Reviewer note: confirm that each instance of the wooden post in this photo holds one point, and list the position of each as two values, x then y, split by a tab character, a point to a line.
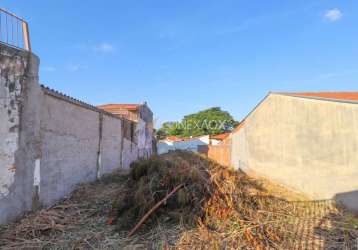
26	36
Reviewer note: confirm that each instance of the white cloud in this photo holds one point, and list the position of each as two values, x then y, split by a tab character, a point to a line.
341	74
75	67
104	48
333	15
48	68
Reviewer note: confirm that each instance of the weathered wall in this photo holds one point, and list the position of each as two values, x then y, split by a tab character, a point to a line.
111	145
130	153
145	131
12	70
70	141
307	144
50	142
20	102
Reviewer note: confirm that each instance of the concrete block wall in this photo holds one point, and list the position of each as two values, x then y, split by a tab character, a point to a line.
50	142
307	144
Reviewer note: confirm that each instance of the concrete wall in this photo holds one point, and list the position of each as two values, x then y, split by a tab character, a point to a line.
307	144
70	141
111	145
50	142
130	151
12	70
145	131
221	153
20	103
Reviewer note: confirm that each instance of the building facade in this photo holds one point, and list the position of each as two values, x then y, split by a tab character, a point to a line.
305	141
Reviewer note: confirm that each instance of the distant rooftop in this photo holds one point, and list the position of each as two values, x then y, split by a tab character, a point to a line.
113	107
128	111
220	136
174	138
349	96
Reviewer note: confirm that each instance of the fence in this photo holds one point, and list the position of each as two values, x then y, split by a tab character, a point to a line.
14	31
220	153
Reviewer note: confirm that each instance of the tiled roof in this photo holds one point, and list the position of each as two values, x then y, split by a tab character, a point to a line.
219	136
174	138
131	107
349	96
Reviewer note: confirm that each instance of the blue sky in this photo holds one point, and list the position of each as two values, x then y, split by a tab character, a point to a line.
184	56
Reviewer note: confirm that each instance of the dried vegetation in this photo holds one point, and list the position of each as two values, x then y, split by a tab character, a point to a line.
209	207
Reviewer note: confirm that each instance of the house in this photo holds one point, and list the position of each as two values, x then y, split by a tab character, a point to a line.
177	143
306	141
195	144
128	111
138	127
217	139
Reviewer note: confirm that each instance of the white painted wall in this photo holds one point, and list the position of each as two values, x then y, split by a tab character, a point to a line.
165	146
215	142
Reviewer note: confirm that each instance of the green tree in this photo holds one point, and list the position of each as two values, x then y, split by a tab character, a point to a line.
205	122
160	134
168	128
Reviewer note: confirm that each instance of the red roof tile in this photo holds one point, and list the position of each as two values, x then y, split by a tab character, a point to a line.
174	138
131	107
219	136
351	96
238	127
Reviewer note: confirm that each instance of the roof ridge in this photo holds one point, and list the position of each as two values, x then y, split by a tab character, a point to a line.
120	104
344	97
315	92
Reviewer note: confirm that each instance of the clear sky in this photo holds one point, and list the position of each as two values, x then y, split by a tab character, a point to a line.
184	56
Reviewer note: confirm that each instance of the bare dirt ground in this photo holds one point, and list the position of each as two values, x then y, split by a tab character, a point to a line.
81	222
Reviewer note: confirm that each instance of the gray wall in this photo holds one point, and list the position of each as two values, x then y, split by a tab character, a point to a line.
12	70
70	139
20	102
307	144
144	132
50	142
111	145
79	144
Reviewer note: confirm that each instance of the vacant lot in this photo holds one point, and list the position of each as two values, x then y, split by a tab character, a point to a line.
216	208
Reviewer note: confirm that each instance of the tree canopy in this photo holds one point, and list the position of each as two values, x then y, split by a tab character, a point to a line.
205	122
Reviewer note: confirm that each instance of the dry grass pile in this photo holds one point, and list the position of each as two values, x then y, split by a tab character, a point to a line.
231	209
77	222
214	208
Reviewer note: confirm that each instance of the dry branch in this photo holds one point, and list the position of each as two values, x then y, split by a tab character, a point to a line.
145	217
